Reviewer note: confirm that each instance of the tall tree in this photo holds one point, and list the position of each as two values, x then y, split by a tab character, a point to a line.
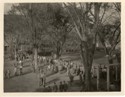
12	31
109	34
59	27
87	29
35	17
88	19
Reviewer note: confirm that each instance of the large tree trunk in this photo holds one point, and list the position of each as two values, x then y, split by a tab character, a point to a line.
87	57
87	79
58	53
35	58
58	50
111	70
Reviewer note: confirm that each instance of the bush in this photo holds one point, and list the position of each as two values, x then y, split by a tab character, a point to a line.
44	53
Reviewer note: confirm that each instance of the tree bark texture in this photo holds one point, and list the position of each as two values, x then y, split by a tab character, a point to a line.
87	57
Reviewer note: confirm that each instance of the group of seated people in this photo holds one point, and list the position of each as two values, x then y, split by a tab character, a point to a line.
61	87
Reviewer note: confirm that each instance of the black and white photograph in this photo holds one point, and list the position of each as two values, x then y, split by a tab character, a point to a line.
62	47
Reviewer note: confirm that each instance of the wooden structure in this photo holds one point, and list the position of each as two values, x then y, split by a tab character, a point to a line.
98	67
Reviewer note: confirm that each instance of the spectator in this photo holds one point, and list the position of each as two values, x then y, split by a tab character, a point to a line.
72	70
81	77
75	69
61	87
78	70
44	89
55	69
66	63
20	67
71	64
68	69
8	73
41	77
49	67
44	79
55	87
71	77
33	66
15	70
49	89
65	86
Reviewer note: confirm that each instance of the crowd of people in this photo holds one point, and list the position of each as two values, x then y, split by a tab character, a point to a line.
72	70
17	70
61	87
53	65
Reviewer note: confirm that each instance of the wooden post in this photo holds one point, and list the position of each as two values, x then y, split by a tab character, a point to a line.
116	75
35	58
108	77
98	77
15	53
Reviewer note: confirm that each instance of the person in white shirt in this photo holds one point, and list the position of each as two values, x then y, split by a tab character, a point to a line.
15	70
20	67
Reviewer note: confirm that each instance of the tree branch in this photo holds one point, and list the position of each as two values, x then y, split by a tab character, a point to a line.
78	32
77	17
103	14
115	30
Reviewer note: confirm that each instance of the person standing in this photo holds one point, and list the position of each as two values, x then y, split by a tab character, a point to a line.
61	87
33	66
71	64
49	67
65	86
21	67
81	76
44	79
78	70
55	69
55	87
49	89
40	77
68	69
71	77
15	69
8	73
